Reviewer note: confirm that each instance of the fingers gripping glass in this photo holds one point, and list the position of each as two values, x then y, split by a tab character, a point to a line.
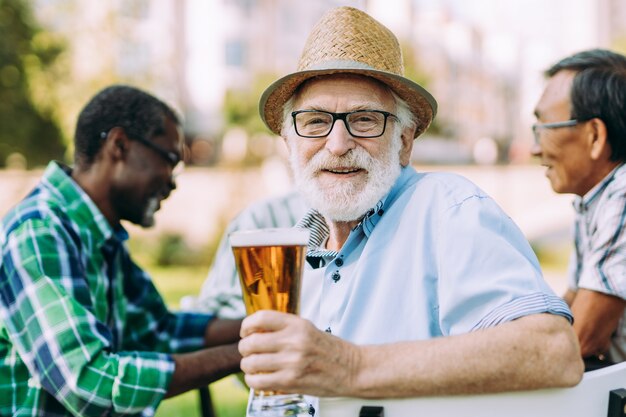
537	127
359	123
175	160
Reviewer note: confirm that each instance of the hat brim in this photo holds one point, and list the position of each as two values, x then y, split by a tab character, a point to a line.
421	102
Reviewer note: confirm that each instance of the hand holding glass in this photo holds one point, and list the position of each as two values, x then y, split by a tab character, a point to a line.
270	264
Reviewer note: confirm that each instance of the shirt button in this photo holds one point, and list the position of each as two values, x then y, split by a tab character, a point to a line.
336	277
339	262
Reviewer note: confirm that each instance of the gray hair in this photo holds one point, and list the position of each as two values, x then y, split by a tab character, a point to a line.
599	90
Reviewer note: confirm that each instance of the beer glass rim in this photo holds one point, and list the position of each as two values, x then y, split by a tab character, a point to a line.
274	236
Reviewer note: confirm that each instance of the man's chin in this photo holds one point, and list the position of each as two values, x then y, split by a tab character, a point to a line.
147	219
147	222
340	208
342	217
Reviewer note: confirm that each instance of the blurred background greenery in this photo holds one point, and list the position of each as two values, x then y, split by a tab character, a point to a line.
229	396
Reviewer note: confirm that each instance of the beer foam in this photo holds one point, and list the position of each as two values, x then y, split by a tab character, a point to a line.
270	237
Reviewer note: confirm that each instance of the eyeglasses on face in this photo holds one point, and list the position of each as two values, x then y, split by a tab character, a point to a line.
175	160
538	127
359	123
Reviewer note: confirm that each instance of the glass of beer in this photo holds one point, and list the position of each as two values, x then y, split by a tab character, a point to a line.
270	264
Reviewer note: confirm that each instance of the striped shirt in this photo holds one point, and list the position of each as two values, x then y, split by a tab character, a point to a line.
83	331
221	292
598	262
436	257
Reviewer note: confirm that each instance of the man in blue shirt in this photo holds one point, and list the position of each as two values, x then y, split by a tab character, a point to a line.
580	139
415	284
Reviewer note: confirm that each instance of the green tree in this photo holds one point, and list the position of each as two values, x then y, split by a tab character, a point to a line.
28	123
414	72
619	44
241	106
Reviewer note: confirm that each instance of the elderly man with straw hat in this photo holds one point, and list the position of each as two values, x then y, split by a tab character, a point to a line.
416	283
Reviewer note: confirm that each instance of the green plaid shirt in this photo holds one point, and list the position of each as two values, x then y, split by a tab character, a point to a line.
83	331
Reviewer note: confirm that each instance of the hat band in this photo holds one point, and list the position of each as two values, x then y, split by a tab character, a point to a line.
339	64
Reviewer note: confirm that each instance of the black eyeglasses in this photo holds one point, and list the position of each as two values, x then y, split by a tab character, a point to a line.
359	123
556	125
171	157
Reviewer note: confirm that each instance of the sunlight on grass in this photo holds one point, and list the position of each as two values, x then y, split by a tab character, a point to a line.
229	399
229	395
175	282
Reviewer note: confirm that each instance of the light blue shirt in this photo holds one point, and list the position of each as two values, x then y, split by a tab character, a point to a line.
435	257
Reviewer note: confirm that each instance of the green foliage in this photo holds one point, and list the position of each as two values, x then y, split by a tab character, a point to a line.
241	106
169	250
172	250
552	254
28	124
228	394
414	72
619	45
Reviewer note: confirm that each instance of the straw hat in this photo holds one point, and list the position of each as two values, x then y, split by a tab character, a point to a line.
347	40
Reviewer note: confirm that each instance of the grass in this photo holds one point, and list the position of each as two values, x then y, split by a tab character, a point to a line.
229	395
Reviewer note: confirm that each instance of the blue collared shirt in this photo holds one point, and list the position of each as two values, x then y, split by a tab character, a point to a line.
435	257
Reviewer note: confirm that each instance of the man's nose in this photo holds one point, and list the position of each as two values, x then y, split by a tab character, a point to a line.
339	141
535	149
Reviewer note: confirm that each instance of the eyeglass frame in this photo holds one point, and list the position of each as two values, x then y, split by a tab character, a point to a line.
343	117
557	125
170	157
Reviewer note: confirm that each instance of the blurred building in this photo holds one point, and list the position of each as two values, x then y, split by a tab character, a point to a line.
190	52
484	59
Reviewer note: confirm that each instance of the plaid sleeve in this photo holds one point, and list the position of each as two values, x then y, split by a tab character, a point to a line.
46	309
604	269
150	324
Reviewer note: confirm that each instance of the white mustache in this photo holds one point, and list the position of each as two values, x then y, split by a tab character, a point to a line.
356	158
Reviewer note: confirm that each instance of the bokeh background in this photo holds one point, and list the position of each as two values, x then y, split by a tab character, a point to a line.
482	59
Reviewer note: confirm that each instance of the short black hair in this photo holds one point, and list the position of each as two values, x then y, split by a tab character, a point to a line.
139	113
599	90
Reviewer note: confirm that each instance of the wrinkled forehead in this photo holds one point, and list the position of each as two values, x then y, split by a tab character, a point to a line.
555	99
351	89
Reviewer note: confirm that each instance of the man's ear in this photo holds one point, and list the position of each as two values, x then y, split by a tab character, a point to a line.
408	138
116	145
596	132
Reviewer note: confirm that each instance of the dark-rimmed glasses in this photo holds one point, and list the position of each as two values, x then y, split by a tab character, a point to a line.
556	125
359	123
175	160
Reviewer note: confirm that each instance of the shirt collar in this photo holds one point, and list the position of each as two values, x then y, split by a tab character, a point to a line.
77	204
319	230
582	204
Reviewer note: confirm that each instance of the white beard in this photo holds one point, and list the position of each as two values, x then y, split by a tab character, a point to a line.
346	200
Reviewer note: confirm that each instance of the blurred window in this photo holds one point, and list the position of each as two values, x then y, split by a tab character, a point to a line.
235	53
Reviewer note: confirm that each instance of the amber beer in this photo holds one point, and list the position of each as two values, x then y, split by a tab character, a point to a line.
270	264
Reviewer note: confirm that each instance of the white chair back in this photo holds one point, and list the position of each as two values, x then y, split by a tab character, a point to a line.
590	398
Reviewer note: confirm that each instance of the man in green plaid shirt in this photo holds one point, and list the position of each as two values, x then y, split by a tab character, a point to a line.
83	331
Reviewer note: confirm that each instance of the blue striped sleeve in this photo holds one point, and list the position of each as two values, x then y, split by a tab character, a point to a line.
536	303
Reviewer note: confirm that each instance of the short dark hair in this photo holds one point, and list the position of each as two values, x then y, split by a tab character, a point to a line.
599	90
140	114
